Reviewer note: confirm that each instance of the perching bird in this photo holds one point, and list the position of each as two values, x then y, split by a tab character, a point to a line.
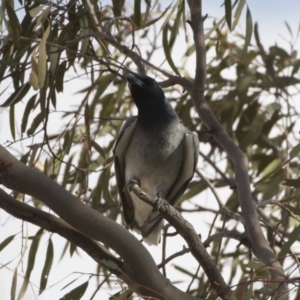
156	149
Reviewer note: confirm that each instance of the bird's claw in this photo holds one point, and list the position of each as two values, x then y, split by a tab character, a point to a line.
158	204
131	182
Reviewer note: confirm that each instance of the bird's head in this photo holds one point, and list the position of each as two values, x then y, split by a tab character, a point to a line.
145	91
153	108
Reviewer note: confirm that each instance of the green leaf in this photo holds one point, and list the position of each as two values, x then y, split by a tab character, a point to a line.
175	28
137	13
59	80
167	50
288	28
12	121
273	166
295	151
296	67
17	95
99	149
53	54
105	176
13	288
35	123
285	81
68	141
156	19
256	265
6	242
77	293
47	266
72	249
117	7
258	42
228	13
249	30
14	23
31	261
104	82
238	12
293	237
28	108
291	182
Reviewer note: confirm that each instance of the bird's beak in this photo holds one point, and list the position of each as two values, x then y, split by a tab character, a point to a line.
134	80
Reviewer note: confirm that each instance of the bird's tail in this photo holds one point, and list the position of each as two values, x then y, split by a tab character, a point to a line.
151	229
154	237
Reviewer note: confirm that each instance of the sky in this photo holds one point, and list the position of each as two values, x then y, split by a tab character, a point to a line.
270	15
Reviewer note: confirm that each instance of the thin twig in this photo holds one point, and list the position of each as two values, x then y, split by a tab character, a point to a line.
171	257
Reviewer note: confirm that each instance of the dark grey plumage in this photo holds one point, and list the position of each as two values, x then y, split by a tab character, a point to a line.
157	149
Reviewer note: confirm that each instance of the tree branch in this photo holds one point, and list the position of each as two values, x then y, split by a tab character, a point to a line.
143	275
259	245
54	224
187	231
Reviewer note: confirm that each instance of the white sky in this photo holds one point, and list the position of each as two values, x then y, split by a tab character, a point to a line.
270	15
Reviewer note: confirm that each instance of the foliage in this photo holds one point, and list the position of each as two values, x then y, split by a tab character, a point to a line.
49	48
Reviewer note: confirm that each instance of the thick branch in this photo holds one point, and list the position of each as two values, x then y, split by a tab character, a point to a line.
52	223
142	272
187	231
259	245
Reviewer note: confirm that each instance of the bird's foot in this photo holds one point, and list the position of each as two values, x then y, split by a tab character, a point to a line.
131	182
158	204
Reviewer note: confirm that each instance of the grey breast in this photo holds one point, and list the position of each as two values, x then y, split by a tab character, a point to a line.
155	157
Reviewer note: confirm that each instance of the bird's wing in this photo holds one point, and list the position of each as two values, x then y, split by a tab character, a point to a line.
119	153
189	164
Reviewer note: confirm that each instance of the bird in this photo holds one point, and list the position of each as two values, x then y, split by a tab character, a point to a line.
155	149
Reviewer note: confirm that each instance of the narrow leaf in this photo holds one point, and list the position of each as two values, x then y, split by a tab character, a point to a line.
156	19
249	30
291	182
13	288
238	12
47	266
12	121
167	49
293	237
288	28
68	141
77	293
99	149
28	108
137	13
17	95
35	123
104	82
42	62
31	261
14	24
117	7
228	13
296	67
33	78
6	242
295	151
59	82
